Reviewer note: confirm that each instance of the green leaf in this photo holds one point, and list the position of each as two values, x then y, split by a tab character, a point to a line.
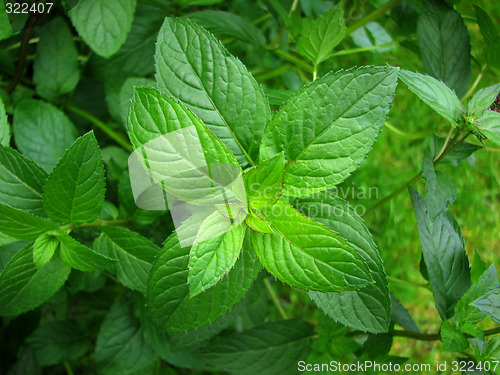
211	260
192	3
42	132
74	192
127	92
465	312
486	25
22	225
444	255
188	58
133	253
103	25
489	125
435	94
5	28
25	287
225	24
477	268
322	36
463	151
453	339
482	100
181	153
370	35
489	304
121	347
441	190
81	257
264	183
400	315
44	248
27	363
369	308
271	348
21	182
445	47
168	299
55	68
56	342
324	131
4	126
306	254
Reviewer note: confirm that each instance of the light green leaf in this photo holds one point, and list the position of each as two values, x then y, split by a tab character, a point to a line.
211	260
4	126
264	183
103	25
188	58
486	25
477	268
489	304
435	94
44	248
56	342
22	225
441	190
21	182
81	257
168	299
268	349
74	192
42	132
489	125
444	44
369	308
180	152
306	254
465	312
482	100
25	287
370	35
133	253
226	24
444	255
453	340
324	130
55	68
321	37
121	347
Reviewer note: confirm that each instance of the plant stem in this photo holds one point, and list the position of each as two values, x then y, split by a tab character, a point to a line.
396	280
404	135
374	15
293	59
272	73
117	137
68	368
474	85
97	223
362	49
274	298
436	336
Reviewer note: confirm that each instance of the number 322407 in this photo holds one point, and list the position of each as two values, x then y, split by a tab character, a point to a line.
28	8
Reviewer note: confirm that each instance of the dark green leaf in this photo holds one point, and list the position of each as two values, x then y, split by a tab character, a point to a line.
168	292
42	132
401	316
321	37
74	192
21	182
369	308
444	42
56	342
121	347
486	25
25	287
444	255
268	349
56	69
441	190
477	268
435	94
5	28
103	25
4	126
323	131
463	151
225	24
27	363
81	257
22	225
453	339
133	253
188	58
306	254
489	304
